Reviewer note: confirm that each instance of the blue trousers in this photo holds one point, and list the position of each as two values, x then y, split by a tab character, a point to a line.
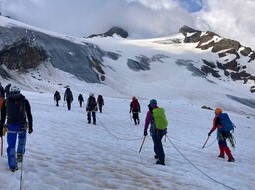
15	131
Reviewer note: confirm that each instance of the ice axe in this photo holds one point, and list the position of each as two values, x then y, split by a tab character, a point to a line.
142	144
206	141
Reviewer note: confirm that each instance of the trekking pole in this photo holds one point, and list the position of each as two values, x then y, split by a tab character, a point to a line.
142	144
21	170
1	146
206	141
21	174
130	116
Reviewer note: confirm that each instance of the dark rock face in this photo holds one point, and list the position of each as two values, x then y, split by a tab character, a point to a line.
224	47
24	49
142	62
21	56
114	30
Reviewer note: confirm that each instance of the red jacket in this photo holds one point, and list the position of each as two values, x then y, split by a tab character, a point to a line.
216	123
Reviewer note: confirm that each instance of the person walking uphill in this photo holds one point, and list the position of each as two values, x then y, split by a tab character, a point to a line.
223	124
7	90
17	110
57	97
80	99
68	97
156	118
91	108
100	102
2	95
135	109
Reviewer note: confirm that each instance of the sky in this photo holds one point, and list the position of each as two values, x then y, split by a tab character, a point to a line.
141	18
66	153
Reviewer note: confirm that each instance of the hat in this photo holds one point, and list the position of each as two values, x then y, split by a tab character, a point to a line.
152	102
91	94
218	111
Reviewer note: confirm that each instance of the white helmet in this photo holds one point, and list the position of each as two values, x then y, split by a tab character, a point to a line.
14	90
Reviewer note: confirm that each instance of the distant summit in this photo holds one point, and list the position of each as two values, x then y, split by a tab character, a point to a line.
114	30
231	54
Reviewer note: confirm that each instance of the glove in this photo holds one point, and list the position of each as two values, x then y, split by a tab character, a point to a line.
209	134
30	130
145	133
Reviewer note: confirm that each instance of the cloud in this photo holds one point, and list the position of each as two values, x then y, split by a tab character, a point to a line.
141	18
232	19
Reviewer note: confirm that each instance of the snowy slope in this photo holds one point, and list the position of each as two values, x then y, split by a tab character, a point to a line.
66	153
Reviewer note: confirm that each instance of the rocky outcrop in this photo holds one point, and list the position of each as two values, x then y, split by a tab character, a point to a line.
223	48
114	30
22	56
22	49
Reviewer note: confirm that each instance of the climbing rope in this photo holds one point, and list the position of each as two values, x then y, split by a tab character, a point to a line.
117	137
197	167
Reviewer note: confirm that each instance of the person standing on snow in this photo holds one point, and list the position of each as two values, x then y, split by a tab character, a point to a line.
68	97
17	110
2	95
100	102
7	90
135	109
221	136
91	108
156	134
57	97
80	99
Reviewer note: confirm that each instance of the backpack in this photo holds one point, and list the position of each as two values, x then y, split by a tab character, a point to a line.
160	119
69	95
57	96
226	123
135	105
100	99
80	98
92	104
15	109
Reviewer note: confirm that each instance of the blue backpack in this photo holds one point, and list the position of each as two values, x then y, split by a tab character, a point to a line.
226	123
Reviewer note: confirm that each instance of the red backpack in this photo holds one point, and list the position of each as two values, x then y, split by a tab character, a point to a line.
135	105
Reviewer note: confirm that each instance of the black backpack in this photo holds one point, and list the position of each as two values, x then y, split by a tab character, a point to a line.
69	95
16	110
92	104
57	96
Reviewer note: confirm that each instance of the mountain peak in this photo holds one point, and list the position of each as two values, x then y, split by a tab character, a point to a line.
114	30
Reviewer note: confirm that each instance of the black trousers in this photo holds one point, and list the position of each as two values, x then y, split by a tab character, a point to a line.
93	117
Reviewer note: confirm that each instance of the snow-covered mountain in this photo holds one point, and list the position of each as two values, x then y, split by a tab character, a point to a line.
180	64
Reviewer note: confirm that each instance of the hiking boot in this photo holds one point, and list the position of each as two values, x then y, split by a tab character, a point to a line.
231	160
14	169
19	157
159	162
89	122
221	156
